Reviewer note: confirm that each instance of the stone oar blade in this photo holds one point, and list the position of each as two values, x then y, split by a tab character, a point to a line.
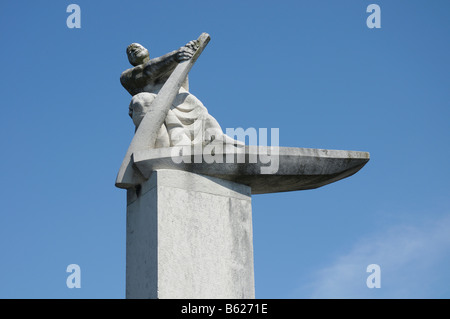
148	129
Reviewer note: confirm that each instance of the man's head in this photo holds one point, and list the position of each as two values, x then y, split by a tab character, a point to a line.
137	54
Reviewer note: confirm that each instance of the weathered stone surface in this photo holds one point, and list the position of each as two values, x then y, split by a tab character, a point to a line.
189	223
151	76
189	236
296	168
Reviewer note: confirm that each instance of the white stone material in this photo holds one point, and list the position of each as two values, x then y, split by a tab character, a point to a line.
147	132
189	216
189	236
294	168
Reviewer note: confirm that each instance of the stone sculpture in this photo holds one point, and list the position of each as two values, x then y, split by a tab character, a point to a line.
187	121
189	222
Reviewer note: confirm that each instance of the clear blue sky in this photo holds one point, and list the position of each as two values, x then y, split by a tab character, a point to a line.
310	68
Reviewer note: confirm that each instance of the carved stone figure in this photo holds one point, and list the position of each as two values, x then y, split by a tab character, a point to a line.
188	121
189	216
166	116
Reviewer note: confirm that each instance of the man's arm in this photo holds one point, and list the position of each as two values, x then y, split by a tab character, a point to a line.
155	69
159	67
130	77
138	77
164	65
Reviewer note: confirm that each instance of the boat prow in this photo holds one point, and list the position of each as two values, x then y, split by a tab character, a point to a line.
264	169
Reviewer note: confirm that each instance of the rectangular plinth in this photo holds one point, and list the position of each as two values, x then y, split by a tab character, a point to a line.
189	236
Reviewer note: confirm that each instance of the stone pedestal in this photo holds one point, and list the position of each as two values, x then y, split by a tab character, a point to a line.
189	236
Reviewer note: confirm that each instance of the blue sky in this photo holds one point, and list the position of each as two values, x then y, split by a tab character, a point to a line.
313	69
